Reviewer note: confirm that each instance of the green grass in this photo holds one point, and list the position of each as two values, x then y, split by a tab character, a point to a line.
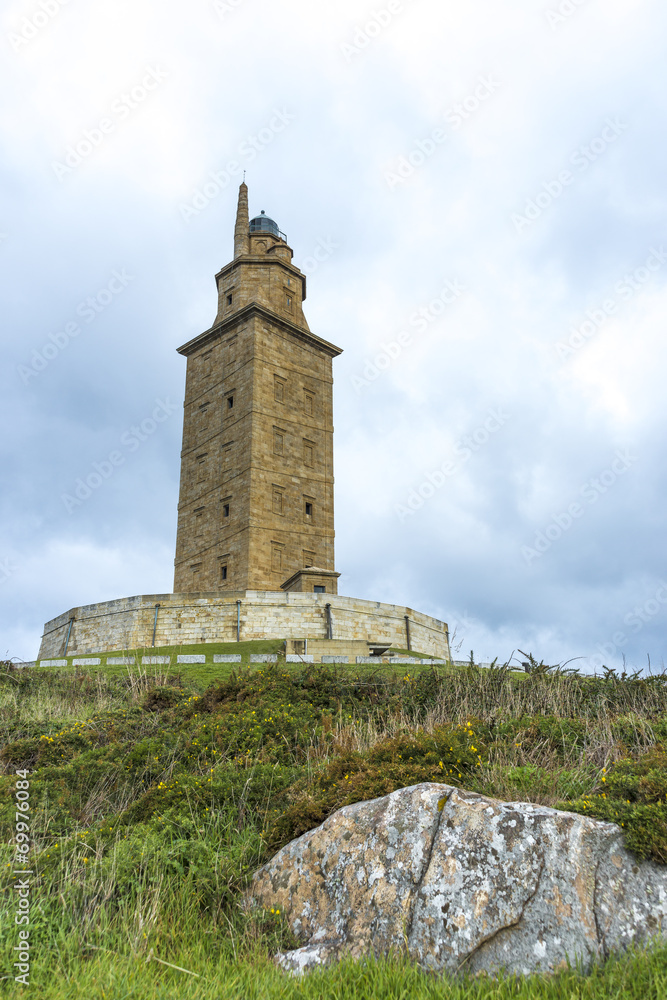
156	795
220	975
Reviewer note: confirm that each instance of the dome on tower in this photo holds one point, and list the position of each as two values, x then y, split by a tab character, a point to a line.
263	224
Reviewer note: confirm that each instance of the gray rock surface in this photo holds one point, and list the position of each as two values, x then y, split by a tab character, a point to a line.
462	882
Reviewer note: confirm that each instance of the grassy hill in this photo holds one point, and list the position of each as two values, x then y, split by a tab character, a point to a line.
155	795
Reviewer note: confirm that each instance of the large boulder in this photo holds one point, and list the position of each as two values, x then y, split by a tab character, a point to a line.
462	882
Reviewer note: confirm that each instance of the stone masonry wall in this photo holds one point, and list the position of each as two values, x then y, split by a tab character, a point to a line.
256	495
184	619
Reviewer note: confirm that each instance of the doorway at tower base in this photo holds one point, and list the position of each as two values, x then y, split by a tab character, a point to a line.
223	617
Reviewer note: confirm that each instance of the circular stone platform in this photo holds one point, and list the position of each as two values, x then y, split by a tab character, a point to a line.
182	619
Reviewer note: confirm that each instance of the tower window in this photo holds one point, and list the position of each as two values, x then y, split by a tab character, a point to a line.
225	509
224	562
308	451
289	301
277	501
319	589
276	557
230	402
308	403
289	282
309	509
278	441
229	299
308	558
278	389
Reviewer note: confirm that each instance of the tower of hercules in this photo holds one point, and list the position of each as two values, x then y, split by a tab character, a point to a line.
256	495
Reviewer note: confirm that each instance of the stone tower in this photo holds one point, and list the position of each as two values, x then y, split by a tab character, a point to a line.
256	495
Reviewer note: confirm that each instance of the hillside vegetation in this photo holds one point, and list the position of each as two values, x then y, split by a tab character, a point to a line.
154	797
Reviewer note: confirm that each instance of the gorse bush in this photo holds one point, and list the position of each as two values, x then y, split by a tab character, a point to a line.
153	802
446	755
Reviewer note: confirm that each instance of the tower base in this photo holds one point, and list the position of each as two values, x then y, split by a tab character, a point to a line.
183	619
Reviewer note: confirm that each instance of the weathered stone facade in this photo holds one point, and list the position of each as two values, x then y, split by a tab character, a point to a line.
183	619
256	497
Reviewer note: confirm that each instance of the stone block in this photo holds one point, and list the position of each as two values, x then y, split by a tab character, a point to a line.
227	658
153	660
295	658
53	663
121	661
192	658
335	659
263	658
93	661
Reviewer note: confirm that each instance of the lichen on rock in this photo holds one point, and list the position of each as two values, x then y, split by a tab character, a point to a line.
460	881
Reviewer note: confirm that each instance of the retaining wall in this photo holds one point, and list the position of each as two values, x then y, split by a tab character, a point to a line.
183	619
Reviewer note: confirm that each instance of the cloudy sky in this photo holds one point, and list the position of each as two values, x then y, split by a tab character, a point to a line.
477	193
